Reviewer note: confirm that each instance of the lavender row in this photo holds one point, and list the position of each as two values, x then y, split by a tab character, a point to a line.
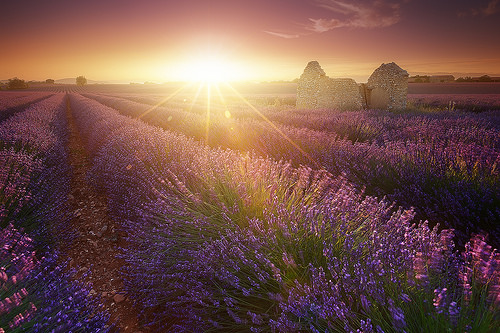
36	292
12	99
468	102
223	241
34	169
444	166
11	102
183	101
176	119
38	295
380	126
358	126
454	184
377	126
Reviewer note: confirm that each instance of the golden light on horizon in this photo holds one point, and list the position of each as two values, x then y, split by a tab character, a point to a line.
209	67
214	41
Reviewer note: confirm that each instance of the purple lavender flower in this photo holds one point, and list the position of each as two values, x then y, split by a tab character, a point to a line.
39	294
440	299
223	239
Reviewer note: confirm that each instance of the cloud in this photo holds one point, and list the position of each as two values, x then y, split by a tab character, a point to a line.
352	14
489	10
324	25
357	14
283	35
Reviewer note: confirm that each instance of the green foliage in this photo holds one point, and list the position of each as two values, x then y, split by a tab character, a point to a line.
485	78
465	79
421	78
50	81
16	83
81	81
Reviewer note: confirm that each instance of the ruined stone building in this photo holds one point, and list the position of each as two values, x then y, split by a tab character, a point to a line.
386	89
315	90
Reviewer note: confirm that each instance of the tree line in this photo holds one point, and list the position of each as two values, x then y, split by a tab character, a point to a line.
17	83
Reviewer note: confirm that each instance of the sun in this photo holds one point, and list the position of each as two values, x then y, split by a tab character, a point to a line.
209	67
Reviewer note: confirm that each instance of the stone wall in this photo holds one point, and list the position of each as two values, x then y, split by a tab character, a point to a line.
345	94
386	89
315	90
311	84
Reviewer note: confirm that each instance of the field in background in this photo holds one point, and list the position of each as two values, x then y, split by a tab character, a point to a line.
463	94
278	88
237	212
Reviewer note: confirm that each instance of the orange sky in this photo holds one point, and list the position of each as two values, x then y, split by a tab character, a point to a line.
159	41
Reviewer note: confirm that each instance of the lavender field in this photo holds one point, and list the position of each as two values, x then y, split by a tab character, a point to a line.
238	212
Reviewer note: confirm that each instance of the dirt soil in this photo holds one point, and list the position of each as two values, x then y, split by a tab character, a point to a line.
98	242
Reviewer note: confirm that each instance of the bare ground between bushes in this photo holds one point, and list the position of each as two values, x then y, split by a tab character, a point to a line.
98	240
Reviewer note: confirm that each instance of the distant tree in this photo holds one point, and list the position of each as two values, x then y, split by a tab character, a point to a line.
464	79
485	78
421	78
81	81
50	81
16	83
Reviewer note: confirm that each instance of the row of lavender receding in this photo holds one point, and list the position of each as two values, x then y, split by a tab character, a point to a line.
432	105
472	102
444	165
225	241
380	126
37	292
12	102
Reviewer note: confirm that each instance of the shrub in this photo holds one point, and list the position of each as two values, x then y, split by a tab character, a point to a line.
81	81
39	295
224	241
16	83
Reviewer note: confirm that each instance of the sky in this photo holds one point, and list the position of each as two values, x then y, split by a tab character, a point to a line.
159	41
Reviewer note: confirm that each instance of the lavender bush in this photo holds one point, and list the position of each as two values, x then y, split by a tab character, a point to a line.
13	102
444	165
38	295
454	102
224	241
380	126
34	173
37	292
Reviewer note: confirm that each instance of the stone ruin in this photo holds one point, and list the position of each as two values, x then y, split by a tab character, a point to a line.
386	89
315	90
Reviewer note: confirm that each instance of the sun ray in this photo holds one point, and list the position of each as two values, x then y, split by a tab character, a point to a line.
197	94
280	132
208	113
227	114
166	99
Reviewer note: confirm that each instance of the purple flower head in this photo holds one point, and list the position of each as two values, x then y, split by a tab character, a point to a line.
398	317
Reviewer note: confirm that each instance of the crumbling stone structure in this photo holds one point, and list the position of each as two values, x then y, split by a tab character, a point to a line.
316	90
386	89
312	83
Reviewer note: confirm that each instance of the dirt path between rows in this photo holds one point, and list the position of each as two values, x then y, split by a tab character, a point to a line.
98	242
